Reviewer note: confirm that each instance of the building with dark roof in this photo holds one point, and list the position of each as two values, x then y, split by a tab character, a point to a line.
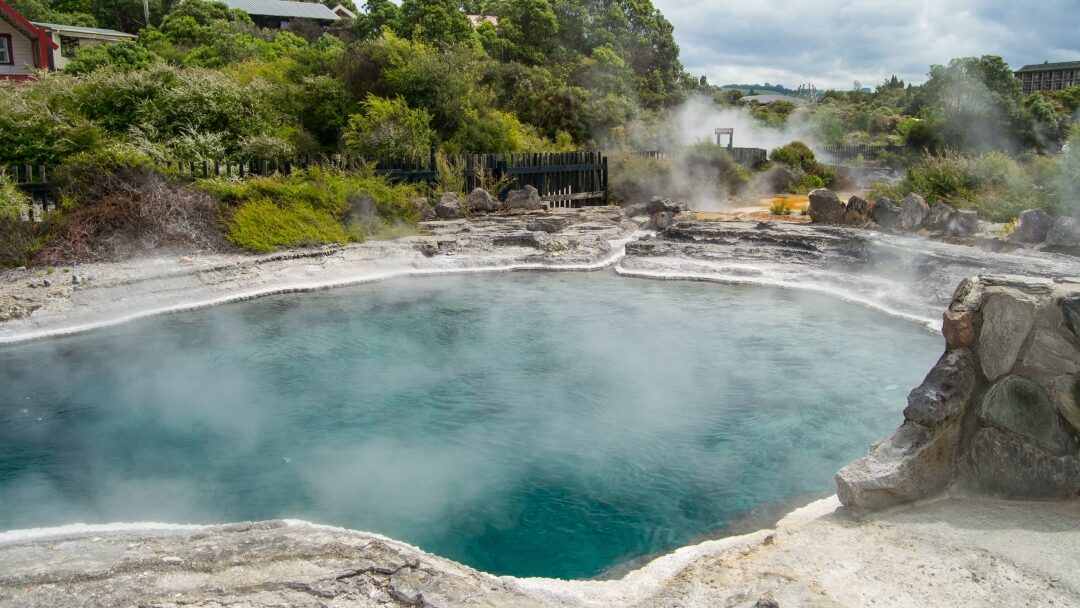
1049	76
277	14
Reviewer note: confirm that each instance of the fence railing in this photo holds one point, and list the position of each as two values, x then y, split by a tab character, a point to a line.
840	154
750	157
564	179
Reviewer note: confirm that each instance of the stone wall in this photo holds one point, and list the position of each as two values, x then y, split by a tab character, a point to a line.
999	413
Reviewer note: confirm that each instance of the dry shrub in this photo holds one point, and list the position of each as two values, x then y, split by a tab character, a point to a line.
132	213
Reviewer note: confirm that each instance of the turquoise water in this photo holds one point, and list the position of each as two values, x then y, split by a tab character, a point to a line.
552	424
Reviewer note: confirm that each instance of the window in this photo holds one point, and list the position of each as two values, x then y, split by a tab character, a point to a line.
6	56
68	46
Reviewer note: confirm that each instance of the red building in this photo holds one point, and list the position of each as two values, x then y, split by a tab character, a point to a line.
24	47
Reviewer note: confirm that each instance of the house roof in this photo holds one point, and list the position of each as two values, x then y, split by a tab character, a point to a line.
343	12
88	31
9	14
284	8
1040	67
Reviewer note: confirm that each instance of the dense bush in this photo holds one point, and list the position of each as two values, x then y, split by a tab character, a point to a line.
808	173
994	184
389	128
633	178
311	206
13	202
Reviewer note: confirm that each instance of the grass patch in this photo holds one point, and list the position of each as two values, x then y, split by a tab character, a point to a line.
261	225
313	206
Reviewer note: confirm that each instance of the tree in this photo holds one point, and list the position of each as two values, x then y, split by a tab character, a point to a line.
437	22
975	103
377	15
388	127
530	27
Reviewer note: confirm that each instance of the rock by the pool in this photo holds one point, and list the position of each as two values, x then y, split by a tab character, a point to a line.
1007	319
938	218
660	204
963	223
1000	412
826	207
857	212
1064	236
886	214
424	210
1032	227
479	201
526	199
913	212
448	207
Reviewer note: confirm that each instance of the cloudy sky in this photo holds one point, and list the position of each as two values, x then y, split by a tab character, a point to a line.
832	43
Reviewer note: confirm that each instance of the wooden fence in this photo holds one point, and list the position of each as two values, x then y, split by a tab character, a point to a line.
564	179
842	154
750	157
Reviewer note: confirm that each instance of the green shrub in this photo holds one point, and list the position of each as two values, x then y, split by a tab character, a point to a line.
262	225
796	155
388	127
13	201
122	56
712	167
309	202
633	178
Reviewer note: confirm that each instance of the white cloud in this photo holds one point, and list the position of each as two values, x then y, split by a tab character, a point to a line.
832	43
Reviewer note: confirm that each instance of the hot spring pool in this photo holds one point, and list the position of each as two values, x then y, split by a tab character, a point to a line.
552	424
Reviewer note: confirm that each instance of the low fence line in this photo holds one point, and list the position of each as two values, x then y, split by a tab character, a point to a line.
853	152
565	179
750	157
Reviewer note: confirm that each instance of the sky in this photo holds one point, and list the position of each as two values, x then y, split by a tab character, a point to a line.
833	43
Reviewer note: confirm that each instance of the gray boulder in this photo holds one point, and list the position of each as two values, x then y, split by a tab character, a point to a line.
945	392
963	223
913	463
449	206
1065	235
424	209
527	199
857	212
826	207
913	212
479	201
550	224
939	216
1032	226
886	214
660	204
1007	319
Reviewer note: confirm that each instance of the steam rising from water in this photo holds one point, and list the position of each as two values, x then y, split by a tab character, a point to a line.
527	424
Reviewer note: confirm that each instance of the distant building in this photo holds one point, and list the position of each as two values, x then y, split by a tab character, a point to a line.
478	20
70	38
343	12
24	47
1049	76
278	14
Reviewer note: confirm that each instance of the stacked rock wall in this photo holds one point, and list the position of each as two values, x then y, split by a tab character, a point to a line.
1000	411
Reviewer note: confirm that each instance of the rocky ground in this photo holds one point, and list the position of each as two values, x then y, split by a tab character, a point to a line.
955	551
951	553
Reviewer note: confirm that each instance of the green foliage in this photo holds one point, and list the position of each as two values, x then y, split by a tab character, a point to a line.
438	22
309	207
264	226
13	201
634	179
810	174
377	14
122	56
388	127
711	167
779	207
795	154
997	186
